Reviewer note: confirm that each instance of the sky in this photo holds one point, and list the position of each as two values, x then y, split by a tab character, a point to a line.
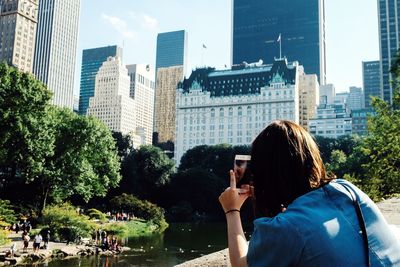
351	33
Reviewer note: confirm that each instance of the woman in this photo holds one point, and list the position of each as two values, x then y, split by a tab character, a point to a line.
306	218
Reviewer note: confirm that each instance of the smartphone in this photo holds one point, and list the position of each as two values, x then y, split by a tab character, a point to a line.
241	169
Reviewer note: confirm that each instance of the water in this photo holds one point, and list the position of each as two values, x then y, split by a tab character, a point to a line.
180	242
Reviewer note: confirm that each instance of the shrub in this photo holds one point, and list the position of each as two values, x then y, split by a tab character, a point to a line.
6	212
3	236
65	222
140	208
95	214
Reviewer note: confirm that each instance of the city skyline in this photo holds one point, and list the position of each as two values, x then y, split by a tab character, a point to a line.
349	37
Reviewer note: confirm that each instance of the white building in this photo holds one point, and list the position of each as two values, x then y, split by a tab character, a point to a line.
111	102
327	94
142	87
356	98
18	21
332	121
233	106
56	43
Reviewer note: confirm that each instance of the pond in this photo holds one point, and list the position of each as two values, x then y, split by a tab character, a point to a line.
180	242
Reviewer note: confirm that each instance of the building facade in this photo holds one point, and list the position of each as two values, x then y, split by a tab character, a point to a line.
332	121
170	70
92	59
171	49
18	21
111	102
327	94
142	87
308	98
371	81
356	98
165	102
56	43
233	106
359	119
389	40
259	26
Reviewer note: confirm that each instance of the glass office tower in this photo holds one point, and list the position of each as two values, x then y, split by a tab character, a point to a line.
389	12
92	60
259	26
371	80
171	49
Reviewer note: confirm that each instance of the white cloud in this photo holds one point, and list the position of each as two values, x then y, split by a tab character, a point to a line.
120	26
146	21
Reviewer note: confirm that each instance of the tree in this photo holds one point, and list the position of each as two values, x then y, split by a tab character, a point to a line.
198	187
124	144
382	144
24	142
84	158
145	173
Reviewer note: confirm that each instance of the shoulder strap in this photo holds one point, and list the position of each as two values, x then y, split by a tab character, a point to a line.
355	200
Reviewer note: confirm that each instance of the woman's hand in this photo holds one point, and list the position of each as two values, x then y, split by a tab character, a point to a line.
233	198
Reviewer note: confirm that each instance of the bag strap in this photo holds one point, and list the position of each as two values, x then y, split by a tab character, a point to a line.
355	200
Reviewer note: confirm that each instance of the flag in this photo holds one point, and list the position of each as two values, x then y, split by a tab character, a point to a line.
279	38
204	46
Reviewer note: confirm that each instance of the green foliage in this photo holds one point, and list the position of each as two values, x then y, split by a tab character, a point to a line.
3	236
84	159
337	160
65	223
198	187
135	228
95	214
48	151
6	212
140	208
146	171
116	228
24	138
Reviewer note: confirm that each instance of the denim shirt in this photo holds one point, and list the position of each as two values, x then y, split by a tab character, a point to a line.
321	228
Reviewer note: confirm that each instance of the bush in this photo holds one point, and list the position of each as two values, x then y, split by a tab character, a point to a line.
116	228
3	236
6	212
65	222
140	208
95	214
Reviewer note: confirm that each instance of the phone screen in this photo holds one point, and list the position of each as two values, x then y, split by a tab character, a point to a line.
242	170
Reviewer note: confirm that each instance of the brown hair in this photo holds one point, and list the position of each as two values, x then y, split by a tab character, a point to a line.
286	163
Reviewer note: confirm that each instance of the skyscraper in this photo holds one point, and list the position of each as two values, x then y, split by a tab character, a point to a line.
18	20
111	102
92	59
142	91
170	69
298	25
171	49
389	41
55	53
371	80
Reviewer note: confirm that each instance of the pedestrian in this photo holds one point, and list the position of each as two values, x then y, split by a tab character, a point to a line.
46	238
36	242
304	217
25	239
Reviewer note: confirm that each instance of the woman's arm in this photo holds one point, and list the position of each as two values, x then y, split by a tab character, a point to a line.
232	200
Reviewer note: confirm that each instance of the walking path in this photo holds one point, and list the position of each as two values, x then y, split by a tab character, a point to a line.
390	209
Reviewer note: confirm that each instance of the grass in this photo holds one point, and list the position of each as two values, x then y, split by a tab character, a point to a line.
135	228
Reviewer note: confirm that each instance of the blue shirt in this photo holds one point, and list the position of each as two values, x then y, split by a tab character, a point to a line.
321	228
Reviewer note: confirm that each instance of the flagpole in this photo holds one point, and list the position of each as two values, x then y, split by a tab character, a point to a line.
280	48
